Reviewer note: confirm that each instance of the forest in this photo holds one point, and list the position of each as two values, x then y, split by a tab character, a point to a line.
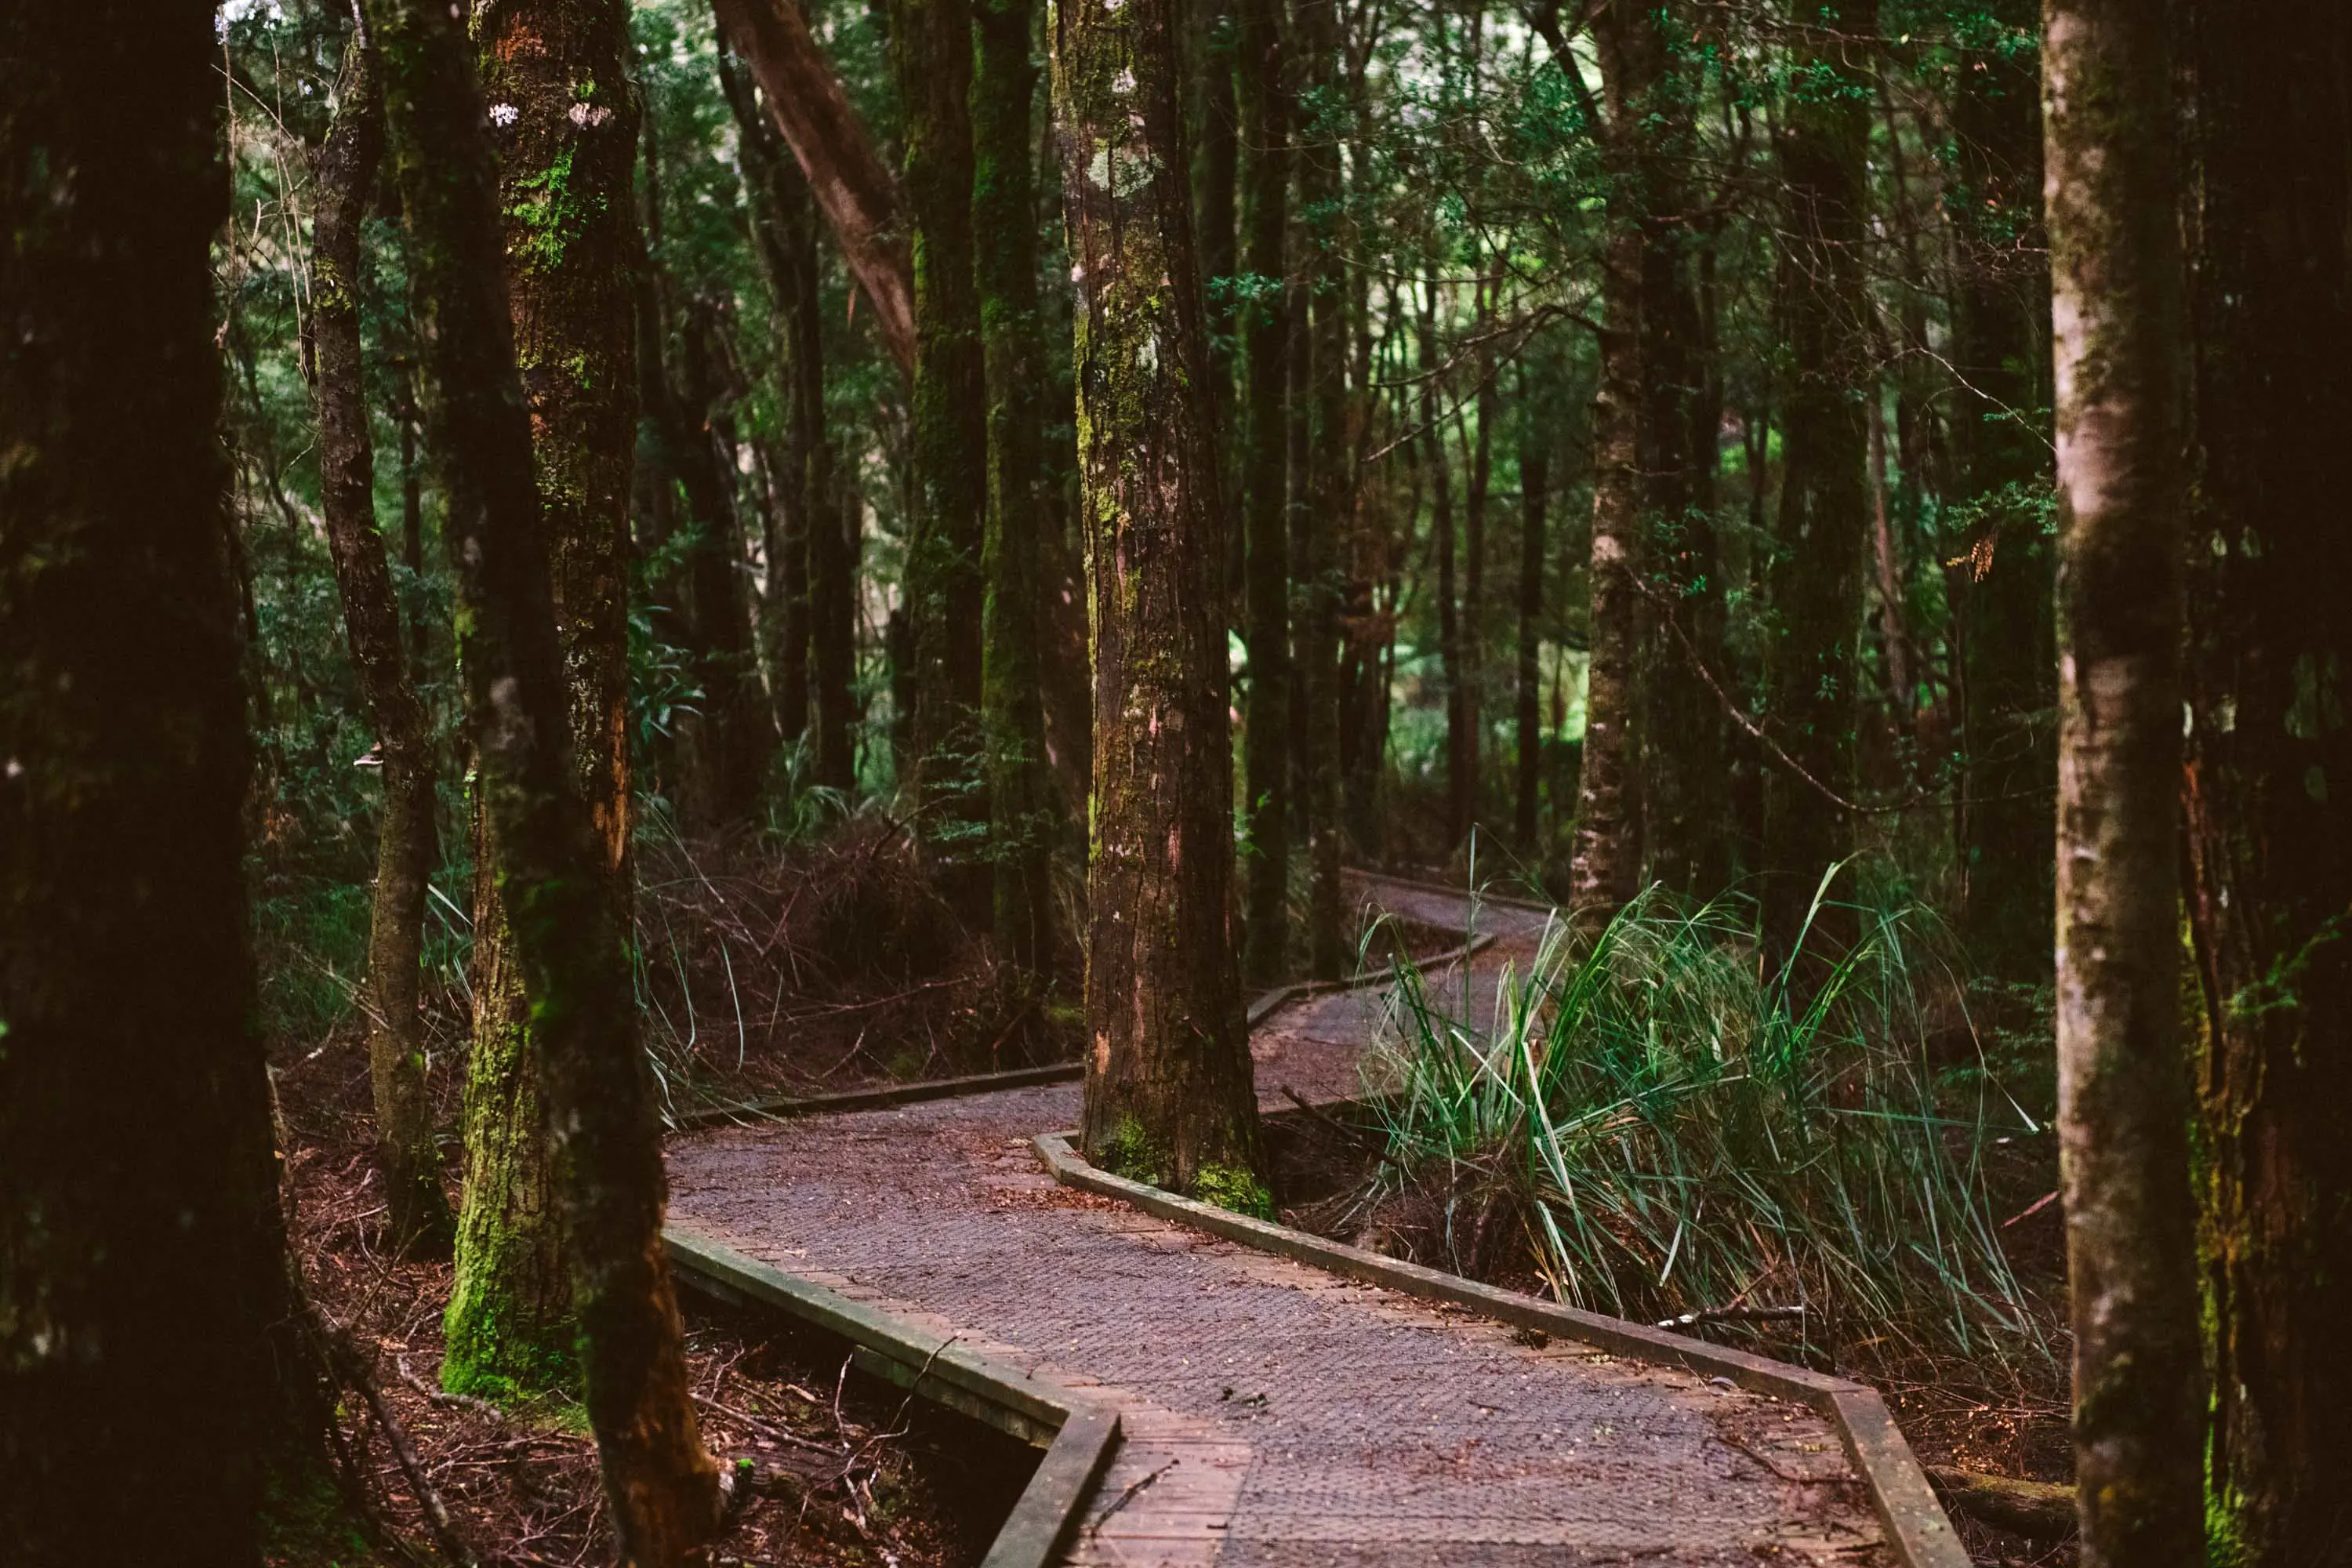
1655	662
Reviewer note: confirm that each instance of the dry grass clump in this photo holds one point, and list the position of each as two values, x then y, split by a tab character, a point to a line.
826	962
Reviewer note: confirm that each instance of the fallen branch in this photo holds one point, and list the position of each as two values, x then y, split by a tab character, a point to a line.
352	1369
2039	1510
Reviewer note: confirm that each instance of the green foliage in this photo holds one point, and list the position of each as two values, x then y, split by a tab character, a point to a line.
1694	1130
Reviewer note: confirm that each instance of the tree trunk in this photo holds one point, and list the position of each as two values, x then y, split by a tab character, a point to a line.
1814	585
1535	501
507	1325
552	857
2115	263
1470	631
1328	472
931	48
2270	766
1022	820
2000	340
141	1258
1216	179
1442	544
784	605
1685	804
1604	869
1266	139
781	217
726	739
1168	1091
345	171
853	188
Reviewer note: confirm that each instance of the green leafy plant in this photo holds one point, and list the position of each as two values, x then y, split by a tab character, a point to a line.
1689	1128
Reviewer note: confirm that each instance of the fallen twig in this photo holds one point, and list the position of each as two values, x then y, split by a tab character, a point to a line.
1129	1496
351	1368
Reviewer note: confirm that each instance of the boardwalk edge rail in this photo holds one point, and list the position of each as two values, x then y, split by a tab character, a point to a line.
1078	1435
1914	1522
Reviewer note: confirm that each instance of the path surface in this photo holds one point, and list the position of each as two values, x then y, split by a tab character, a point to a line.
1275	1414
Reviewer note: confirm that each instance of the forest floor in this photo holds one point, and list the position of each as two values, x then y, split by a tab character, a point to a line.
832	968
849	1471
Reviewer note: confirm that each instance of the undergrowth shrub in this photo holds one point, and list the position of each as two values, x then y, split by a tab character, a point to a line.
823	954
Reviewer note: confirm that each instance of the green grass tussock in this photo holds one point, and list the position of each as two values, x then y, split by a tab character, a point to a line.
1679	1126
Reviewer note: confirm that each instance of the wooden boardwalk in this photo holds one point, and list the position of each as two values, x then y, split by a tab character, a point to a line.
1274	1414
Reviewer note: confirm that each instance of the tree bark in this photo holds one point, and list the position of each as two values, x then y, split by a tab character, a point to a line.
141	1258
2000	340
1604	869
345	172
1329	500
782	218
1683	807
945	585
2270	767
1022	821
1216	180
1535	503
2122	1102
552	855
1477	472
1265	142
565	183
1167	1090
823	562
853	188
1814	584
725	741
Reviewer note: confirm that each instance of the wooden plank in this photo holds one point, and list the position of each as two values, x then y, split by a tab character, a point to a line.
1907	1506
781	1108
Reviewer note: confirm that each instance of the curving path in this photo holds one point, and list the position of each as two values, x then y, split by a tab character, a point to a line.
1274	1414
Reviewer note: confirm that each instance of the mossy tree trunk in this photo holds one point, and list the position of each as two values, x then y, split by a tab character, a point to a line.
1004	225
1167	1090
2001	339
141	1260
1265	109
2269	768
564	201
945	586
1814	584
552	857
345	170
2117	301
